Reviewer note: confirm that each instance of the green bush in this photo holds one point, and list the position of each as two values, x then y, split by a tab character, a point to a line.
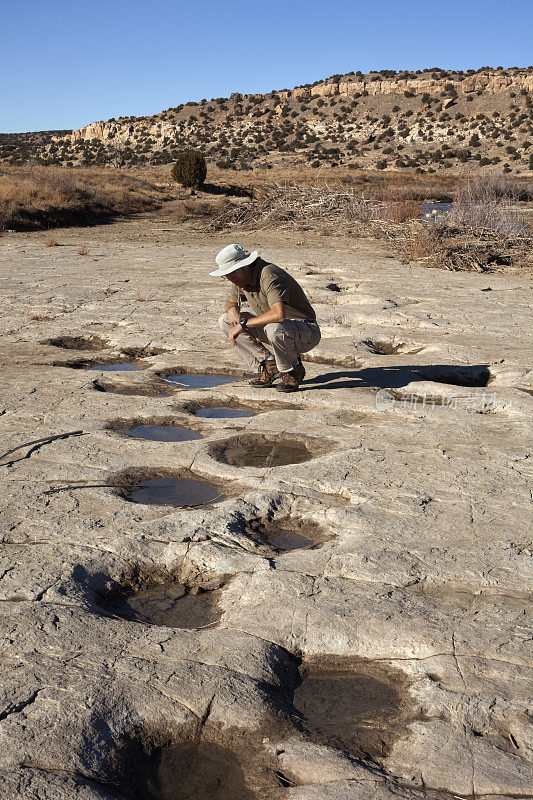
190	169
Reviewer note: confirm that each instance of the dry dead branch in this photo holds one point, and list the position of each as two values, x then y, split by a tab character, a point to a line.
304	206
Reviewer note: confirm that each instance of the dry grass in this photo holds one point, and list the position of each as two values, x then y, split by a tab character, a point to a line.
488	203
374	184
40	197
190	209
399	205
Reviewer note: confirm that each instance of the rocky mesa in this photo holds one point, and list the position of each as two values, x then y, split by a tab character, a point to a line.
433	120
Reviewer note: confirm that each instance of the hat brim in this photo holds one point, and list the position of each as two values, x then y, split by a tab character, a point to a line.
243	262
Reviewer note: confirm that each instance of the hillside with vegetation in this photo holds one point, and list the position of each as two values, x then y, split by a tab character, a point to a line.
428	121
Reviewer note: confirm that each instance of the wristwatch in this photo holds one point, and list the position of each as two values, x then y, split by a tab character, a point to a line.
242	322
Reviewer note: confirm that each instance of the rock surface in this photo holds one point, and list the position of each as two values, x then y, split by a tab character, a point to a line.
418	483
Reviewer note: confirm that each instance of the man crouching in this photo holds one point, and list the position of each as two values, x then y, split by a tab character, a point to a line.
284	324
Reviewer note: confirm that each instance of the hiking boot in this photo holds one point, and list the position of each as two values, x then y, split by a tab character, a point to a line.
266	374
290	381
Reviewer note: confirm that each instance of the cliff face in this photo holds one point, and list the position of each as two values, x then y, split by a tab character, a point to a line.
486	82
105	131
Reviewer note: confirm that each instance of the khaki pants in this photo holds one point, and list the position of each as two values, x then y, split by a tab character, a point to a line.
285	340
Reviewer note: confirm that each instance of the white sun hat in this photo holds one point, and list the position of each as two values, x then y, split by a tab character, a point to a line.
233	257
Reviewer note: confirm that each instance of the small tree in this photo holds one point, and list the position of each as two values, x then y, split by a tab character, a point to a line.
190	169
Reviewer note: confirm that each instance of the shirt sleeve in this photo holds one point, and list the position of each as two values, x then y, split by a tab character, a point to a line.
234	294
275	288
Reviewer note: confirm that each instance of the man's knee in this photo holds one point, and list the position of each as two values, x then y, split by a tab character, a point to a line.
275	332
223	322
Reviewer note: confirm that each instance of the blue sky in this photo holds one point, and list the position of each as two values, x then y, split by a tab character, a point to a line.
66	64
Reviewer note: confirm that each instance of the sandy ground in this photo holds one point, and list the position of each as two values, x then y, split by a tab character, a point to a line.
389	658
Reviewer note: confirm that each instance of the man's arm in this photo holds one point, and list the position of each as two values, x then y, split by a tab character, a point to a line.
233	312
276	313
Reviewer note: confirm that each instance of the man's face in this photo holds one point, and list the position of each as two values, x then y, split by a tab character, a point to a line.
240	277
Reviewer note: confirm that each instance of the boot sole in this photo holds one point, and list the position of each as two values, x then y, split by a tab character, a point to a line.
287	390
261	384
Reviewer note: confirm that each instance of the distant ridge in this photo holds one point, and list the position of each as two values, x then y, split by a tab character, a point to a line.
428	120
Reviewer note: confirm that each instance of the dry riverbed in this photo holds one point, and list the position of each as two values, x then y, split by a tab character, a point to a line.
214	592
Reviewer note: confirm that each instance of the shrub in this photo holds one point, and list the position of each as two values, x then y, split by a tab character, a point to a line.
190	169
487	202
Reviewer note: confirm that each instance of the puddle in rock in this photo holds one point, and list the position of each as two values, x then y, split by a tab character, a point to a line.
287	534
161	433
172	492
115	368
288	540
358	707
202	771
223	413
261	451
189	381
169	605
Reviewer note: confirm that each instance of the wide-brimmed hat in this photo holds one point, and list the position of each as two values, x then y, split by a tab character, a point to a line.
231	258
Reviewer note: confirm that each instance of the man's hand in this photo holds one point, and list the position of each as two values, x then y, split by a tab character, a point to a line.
233	315
234	332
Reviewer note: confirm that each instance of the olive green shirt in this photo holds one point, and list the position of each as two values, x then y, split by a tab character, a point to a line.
270	284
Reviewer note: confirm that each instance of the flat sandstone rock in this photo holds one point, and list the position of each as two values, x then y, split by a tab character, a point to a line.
386	655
